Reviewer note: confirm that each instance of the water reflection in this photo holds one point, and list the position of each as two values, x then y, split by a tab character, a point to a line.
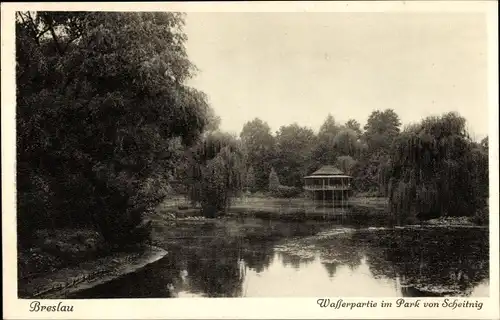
431	262
279	259
294	261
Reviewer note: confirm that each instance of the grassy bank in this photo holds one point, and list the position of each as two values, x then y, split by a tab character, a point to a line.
360	208
283	209
66	260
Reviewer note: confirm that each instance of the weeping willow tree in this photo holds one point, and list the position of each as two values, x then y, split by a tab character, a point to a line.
216	173
437	170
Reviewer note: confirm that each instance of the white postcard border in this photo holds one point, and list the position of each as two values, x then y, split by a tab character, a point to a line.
234	308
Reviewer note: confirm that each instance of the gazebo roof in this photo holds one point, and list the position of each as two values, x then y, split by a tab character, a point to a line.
328	171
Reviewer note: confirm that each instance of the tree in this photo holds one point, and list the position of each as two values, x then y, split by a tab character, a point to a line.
346	143
370	174
213	121
100	95
324	151
355	126
346	164
260	148
294	150
250	180
484	143
216	173
274	181
436	170
381	129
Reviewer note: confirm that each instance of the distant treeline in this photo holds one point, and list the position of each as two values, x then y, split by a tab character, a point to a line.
428	169
106	124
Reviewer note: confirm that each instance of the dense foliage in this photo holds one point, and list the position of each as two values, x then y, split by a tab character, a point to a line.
286	192
294	148
215	173
274	181
324	151
250	183
429	170
101	108
437	170
260	150
296	151
381	129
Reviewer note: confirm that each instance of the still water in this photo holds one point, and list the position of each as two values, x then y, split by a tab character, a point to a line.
257	258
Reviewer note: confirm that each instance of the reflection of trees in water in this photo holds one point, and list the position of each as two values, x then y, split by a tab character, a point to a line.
300	229
212	263
440	261
334	250
215	271
426	262
258	256
154	282
294	260
203	258
331	268
340	250
212	260
342	254
210	269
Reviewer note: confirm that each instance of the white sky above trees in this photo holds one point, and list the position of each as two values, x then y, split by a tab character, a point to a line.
298	67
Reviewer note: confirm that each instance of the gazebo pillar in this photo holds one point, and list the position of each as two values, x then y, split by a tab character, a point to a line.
323	180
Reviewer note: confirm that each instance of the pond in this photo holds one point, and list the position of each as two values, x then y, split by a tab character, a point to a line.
258	258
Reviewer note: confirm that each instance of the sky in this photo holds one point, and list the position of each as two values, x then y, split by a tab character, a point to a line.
299	67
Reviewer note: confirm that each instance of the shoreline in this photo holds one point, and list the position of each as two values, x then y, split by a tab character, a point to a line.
371	209
286	209
67	281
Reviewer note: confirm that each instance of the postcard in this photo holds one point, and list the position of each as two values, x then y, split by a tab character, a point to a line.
250	160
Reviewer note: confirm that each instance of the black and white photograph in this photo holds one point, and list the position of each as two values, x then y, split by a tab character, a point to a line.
223	154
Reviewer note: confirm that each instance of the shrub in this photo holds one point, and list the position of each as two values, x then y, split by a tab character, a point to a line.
250	184
274	181
481	217
286	192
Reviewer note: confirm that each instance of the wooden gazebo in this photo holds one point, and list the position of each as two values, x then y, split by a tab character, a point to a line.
329	185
